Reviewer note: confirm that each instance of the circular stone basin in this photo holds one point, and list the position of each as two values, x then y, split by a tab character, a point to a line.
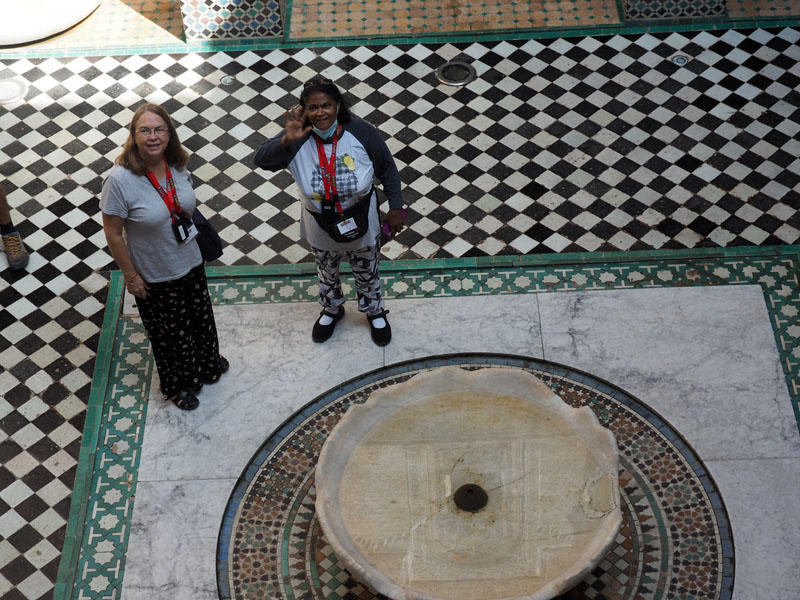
401	482
34	20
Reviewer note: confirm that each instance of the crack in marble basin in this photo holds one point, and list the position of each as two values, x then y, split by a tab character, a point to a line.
388	471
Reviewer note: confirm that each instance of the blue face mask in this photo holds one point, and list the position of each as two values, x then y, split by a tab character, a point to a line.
328	132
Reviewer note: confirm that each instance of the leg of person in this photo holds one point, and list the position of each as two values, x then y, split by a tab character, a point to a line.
161	315
364	264
330	293
210	365
12	240
5	212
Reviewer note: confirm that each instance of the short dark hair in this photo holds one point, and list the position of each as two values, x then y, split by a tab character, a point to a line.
319	83
175	154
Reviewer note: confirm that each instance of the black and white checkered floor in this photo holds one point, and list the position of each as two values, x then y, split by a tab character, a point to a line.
560	145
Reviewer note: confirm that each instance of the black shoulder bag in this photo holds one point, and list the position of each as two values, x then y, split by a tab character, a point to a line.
207	237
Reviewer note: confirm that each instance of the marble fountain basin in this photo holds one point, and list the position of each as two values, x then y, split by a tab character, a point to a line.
33	20
469	485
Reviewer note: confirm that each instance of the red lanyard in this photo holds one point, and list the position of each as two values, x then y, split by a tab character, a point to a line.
170	198
328	168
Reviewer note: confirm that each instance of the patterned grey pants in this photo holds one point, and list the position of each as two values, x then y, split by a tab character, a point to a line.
364	264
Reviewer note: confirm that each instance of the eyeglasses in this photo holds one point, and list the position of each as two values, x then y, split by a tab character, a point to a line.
145	131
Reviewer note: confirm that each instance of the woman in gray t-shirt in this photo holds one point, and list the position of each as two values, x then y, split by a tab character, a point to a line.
147	202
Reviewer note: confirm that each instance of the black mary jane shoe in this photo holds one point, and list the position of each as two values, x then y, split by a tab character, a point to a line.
380	335
321	332
186	400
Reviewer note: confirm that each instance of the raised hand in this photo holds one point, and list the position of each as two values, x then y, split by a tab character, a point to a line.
296	127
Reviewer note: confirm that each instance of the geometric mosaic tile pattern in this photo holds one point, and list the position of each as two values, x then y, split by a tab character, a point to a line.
762	9
329	19
554	148
109	472
674	521
224	19
655	10
561	145
95	549
165	14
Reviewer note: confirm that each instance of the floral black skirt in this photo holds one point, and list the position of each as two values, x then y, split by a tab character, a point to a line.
179	321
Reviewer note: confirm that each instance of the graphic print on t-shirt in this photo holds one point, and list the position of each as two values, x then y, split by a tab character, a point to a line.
346	180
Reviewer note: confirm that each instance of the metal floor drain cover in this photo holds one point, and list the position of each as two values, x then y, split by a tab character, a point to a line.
456	73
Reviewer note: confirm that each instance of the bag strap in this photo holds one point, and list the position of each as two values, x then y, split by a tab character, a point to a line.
348	211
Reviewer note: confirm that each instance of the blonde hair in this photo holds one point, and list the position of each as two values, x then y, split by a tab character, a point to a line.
175	154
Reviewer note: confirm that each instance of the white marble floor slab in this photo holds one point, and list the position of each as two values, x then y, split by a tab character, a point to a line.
173	540
492	324
275	370
704	358
761	498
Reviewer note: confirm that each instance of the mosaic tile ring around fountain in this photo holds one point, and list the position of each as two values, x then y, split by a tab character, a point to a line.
98	527
675	541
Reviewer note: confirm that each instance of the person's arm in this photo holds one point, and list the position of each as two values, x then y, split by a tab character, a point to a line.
277	153
272	155
112	227
385	169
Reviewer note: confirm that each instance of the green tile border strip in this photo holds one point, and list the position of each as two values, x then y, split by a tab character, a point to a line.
91	428
102	515
93	559
266	44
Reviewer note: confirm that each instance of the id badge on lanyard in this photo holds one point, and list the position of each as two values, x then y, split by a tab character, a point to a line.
183	228
346	226
330	205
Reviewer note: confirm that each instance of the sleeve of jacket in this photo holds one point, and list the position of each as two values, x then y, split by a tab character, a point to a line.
382	160
271	155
